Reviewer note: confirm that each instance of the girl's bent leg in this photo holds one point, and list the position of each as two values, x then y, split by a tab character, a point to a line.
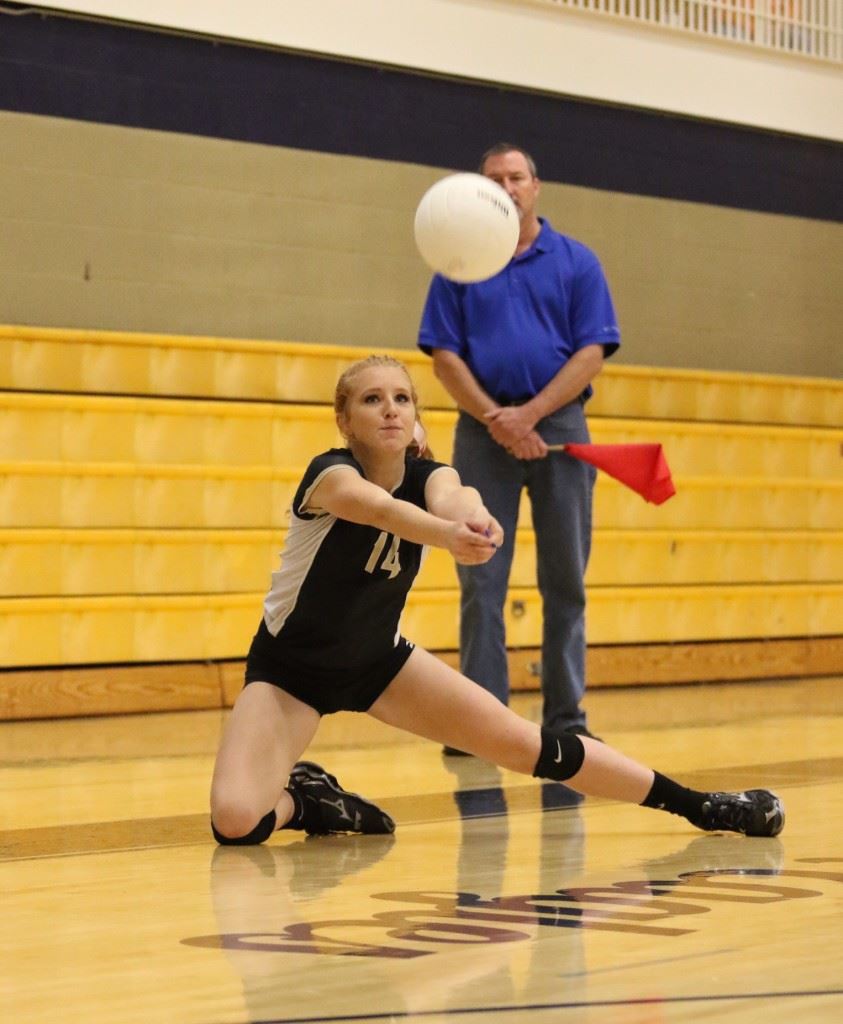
265	735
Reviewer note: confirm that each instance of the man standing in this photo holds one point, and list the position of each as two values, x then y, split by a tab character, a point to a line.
517	353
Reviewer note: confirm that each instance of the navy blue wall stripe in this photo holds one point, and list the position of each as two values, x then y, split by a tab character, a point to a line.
116	74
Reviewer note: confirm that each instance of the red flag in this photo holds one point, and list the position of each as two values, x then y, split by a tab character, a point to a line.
642	467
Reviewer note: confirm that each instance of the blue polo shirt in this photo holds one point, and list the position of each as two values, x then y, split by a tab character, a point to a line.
517	329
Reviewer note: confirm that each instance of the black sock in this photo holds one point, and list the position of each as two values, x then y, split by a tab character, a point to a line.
667	795
307	814
297	819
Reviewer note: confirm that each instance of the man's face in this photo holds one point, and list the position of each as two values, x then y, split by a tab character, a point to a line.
512	172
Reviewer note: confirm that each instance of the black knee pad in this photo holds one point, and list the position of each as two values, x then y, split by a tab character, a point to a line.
561	756
261	832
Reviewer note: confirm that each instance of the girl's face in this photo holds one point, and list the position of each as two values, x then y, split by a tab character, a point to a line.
380	413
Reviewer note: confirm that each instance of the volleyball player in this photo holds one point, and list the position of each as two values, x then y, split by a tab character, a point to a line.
329	640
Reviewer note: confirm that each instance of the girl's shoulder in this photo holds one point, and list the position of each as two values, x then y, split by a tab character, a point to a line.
332	457
326	462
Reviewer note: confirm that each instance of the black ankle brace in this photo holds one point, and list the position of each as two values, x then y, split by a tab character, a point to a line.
561	756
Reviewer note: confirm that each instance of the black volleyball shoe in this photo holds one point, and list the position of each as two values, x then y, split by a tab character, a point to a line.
326	807
755	812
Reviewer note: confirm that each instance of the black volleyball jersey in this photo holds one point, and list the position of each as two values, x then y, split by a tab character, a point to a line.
337	599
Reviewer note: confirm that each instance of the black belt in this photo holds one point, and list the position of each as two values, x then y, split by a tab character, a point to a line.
582	399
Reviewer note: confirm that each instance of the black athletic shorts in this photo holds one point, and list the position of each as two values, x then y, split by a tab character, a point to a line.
325	690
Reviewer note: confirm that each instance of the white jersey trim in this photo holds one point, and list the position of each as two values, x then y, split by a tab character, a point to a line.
304	539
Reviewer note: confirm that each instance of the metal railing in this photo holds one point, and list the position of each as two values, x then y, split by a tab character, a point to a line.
810	28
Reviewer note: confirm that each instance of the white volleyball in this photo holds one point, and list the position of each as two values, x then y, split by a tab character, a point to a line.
466	227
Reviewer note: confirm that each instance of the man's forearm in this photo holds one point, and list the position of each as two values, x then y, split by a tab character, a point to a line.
568	384
462	385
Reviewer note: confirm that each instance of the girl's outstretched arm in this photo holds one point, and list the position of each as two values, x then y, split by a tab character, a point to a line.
345	494
448	498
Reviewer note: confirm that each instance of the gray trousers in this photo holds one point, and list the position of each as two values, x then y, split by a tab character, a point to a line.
560	490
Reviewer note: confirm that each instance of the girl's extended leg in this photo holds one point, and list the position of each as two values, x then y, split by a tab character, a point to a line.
429	698
264	737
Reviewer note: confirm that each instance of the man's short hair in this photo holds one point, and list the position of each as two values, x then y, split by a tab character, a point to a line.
508	147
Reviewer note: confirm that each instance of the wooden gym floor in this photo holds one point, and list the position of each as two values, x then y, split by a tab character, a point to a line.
498	899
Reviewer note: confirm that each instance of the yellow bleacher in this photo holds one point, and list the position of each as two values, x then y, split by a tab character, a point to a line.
119	494
200	627
174	431
108	362
93	562
145	479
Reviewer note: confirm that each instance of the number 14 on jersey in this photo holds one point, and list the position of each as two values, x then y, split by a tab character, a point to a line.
390	563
